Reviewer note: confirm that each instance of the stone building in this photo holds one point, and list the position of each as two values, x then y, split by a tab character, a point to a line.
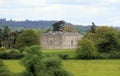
60	40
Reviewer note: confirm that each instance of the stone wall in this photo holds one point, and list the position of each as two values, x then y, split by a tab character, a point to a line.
59	40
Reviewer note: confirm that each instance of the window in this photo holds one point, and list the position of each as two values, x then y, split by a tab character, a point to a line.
71	42
50	42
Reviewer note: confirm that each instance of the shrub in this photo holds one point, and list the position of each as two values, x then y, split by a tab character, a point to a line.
53	67
11	54
86	50
114	54
103	56
64	56
52	62
27	38
36	65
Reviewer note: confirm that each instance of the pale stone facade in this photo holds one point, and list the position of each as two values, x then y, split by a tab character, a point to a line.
60	40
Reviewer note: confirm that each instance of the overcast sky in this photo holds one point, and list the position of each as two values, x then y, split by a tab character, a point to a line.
102	12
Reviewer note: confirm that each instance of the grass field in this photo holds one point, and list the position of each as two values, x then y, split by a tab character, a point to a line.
93	67
79	67
69	52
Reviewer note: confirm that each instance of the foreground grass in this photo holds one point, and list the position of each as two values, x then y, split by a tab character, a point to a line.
79	67
14	65
93	67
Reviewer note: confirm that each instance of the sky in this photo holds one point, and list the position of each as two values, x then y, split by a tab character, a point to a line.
82	12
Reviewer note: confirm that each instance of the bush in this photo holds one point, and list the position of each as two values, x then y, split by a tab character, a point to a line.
27	38
52	62
11	54
36	65
64	56
86	50
114	54
60	72
53	67
103	56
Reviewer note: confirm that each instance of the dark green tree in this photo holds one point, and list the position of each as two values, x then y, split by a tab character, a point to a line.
93	28
53	67
86	49
58	26
32	61
6	37
107	39
13	38
27	38
36	65
1	36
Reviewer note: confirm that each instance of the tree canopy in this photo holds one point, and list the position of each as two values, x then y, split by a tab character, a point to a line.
36	65
27	38
86	49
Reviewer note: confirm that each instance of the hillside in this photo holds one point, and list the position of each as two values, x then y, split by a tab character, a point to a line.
27	23
43	24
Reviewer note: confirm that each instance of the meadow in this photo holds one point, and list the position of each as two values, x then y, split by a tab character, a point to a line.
77	67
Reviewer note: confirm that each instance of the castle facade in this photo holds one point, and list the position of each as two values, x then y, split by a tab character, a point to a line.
60	40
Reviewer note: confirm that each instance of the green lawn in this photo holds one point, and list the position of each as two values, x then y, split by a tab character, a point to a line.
80	67
93	67
14	66
69	52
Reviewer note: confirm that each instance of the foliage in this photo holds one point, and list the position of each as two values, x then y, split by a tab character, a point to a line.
27	38
32	61
58	26
114	55
8	37
52	62
93	28
64	56
54	67
107	40
36	65
1	36
86	49
10	54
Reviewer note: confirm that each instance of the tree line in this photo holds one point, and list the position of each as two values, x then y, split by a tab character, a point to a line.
102	42
8	37
12	43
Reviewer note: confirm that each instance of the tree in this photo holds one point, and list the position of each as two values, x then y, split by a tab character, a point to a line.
58	26
27	38
107	39
36	65
93	28
1	36
6	37
3	69
32	61
86	49
53	67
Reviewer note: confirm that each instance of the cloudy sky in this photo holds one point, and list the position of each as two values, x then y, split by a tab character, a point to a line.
102	12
